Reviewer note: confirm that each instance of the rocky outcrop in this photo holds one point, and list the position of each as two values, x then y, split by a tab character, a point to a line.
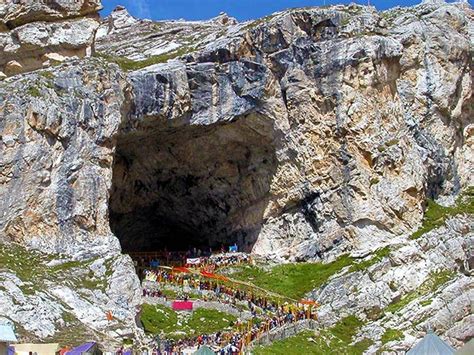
18	13
389	296
307	134
40	34
58	300
369	113
155	39
319	131
58	130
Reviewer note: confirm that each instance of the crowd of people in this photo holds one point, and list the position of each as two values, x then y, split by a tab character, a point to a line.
235	341
267	313
208	260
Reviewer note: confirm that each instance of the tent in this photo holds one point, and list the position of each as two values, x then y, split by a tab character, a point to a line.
7	336
431	344
85	349
204	350
467	349
40	349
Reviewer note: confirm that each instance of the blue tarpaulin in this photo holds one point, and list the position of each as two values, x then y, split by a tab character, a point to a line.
84	348
431	344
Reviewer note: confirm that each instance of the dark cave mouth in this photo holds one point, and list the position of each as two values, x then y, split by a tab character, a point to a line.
192	186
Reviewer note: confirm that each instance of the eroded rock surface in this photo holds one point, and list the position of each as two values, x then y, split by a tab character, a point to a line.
301	136
33	33
371	114
419	285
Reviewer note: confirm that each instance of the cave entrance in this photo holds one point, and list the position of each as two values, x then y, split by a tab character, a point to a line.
177	188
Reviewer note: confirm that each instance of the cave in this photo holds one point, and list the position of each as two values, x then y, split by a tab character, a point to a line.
202	186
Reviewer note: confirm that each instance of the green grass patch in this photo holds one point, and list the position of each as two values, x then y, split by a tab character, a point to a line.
362	345
296	280
130	65
47	74
292	280
335	340
127	341
208	321
259	22
374	181
301	343
434	281
34	91
32	268
376	258
436	215
426	303
157	319
391	335
160	319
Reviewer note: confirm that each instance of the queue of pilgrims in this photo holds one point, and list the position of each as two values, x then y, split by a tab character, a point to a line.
270	313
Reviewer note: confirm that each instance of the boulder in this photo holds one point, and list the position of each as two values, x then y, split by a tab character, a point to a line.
13	68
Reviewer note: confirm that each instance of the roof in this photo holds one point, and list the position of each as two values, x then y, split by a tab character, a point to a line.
40	349
467	349
7	335
81	349
204	350
431	344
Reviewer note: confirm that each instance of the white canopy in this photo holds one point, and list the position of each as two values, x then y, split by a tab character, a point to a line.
431	344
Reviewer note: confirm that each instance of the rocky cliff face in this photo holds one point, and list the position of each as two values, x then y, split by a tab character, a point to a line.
363	116
300	136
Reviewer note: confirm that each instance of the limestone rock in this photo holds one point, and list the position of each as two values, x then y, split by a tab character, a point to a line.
13	67
301	136
439	293
46	28
15	14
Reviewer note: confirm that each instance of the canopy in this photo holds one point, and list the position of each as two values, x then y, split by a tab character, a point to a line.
7	335
310	302
431	344
181	269
204	350
84	348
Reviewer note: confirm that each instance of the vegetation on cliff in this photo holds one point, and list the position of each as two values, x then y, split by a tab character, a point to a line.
436	215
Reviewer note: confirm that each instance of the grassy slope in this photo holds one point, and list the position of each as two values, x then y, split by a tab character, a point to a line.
296	280
432	284
334	340
292	280
32	268
436	215
160	319
129	65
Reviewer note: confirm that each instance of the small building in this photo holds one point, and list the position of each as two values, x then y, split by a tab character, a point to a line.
7	336
431	344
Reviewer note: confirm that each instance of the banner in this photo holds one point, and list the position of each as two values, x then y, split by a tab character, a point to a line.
193	261
182	306
213	276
